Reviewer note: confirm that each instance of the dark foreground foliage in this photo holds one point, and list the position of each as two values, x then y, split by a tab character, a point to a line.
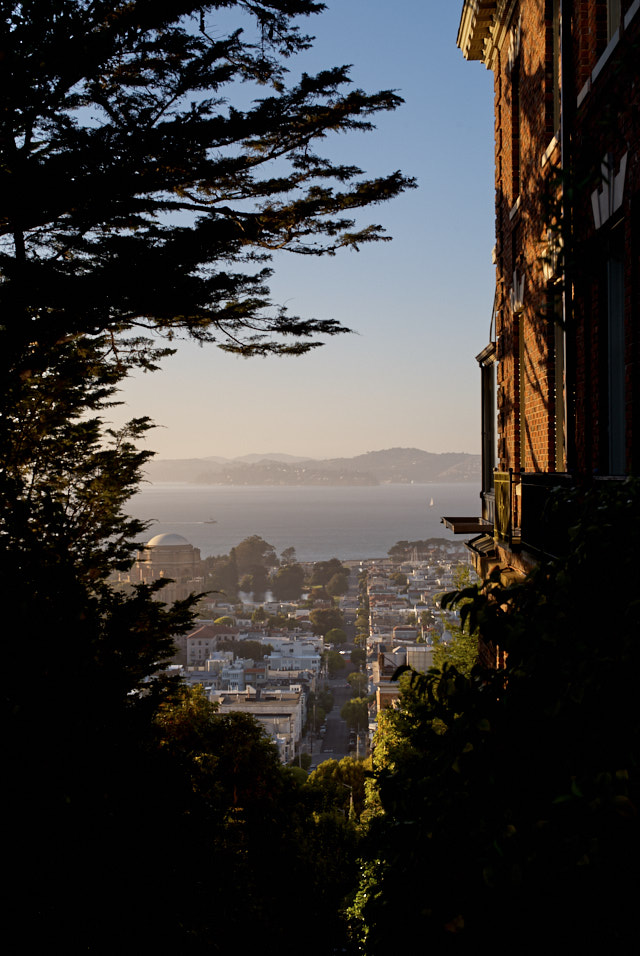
142	200
511	797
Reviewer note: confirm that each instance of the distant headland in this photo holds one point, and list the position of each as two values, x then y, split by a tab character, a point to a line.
391	466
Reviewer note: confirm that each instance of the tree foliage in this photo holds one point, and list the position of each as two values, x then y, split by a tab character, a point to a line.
221	576
139	196
339	785
324	571
288	555
335	662
462	648
246	815
254	552
324	619
355	713
287	582
246	649
510	796
338	585
140	199
336	635
359	683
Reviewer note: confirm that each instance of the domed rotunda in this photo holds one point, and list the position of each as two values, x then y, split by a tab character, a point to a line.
170	555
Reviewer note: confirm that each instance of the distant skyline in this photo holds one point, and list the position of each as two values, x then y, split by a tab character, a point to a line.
420	306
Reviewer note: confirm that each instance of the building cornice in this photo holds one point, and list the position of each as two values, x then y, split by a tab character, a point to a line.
476	23
483	26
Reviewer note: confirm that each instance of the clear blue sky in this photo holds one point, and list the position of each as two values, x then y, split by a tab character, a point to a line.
421	305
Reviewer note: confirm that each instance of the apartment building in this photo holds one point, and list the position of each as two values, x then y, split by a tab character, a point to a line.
559	375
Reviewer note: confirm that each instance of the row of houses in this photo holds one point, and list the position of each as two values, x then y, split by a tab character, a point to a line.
405	618
273	686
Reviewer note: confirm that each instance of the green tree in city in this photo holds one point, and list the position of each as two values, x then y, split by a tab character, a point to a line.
221	576
461	650
324	571
337	585
339	785
254	552
232	799
358	683
355	713
319	705
335	662
324	619
335	635
247	649
399	579
287	582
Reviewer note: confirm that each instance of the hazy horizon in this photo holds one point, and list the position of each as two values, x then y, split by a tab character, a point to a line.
297	455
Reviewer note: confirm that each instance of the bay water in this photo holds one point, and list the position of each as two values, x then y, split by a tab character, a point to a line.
319	522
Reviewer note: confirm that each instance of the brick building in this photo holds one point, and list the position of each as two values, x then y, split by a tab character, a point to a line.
560	383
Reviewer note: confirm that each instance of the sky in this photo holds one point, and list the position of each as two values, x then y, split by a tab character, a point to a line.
420	306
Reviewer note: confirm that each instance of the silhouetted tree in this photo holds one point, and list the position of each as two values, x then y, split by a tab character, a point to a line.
139	201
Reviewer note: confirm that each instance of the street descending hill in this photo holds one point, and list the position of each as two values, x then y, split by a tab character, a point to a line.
394	465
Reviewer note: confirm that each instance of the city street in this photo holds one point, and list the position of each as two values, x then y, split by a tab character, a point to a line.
334	745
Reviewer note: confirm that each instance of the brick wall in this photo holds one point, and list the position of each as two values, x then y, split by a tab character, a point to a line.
526	351
528	193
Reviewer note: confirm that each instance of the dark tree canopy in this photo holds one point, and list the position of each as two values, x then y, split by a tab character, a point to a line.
138	197
287	583
336	635
324	619
324	571
254	552
143	194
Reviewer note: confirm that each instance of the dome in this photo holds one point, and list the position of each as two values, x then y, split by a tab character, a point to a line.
168	540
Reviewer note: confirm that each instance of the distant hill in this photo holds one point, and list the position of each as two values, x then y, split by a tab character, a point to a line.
272	456
392	465
402	465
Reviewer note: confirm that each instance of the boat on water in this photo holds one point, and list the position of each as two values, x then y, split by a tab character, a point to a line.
431	503
210	521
